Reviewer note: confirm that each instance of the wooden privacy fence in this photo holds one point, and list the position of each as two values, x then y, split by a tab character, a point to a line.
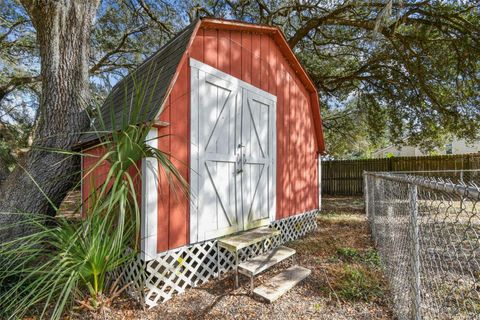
345	177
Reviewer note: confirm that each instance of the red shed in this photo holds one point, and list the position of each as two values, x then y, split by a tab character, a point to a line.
242	122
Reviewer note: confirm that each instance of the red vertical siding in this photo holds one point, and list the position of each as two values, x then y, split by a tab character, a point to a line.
272	66
224	49
180	100
246	57
287	167
92	178
294	144
304	186
255	59
173	221
210	47
95	173
196	50
236	54
264	62
163	207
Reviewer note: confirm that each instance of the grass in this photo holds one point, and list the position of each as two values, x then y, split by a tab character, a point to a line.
350	263
354	269
355	275
368	257
358	283
348	254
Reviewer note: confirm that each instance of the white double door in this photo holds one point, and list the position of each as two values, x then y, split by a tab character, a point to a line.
233	154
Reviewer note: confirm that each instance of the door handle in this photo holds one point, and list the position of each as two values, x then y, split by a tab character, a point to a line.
241	159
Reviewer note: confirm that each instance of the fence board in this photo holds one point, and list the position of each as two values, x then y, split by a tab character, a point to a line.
345	177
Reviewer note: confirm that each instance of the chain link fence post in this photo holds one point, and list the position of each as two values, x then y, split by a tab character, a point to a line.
415	247
375	203
369	200
462	183
366	193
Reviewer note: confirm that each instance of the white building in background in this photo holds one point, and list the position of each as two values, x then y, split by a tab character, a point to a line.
458	146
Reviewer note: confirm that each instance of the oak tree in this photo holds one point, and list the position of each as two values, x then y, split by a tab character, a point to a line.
386	71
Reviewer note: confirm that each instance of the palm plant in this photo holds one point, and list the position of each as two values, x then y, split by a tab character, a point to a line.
57	266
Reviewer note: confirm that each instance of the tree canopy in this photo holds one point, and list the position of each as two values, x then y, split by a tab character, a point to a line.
386	71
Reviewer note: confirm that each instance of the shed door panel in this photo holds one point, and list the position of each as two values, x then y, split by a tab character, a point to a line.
256	139
217	151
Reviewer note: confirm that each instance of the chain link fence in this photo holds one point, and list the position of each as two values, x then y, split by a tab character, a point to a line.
426	226
463	177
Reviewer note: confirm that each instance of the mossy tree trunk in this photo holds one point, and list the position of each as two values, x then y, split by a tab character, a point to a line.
63	34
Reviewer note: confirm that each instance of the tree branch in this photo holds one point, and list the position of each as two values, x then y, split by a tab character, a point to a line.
14	83
118	48
153	17
12	27
314	23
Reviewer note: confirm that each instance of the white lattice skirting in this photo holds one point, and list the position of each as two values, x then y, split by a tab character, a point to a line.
173	271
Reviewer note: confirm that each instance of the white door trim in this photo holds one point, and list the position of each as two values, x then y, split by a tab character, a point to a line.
196	68
194	150
319	181
148	242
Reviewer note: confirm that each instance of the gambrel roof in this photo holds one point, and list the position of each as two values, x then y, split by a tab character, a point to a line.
157	74
154	76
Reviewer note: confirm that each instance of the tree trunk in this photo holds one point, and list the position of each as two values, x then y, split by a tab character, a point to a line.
63	34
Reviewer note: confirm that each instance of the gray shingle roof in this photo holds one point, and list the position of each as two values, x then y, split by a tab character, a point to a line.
153	77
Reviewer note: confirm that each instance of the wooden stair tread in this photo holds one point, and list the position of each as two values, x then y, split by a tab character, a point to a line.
247	238
260	263
281	283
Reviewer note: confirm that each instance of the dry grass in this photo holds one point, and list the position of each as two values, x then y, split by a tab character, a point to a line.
346	282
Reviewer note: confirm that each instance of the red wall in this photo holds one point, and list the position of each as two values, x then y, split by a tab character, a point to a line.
173	206
256	59
94	178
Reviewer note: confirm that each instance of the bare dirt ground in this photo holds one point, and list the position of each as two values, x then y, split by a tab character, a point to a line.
346	280
343	205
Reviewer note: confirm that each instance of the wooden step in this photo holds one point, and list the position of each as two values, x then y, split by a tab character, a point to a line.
260	263
244	239
281	283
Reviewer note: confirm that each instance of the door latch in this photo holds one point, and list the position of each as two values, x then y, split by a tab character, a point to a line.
241	159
